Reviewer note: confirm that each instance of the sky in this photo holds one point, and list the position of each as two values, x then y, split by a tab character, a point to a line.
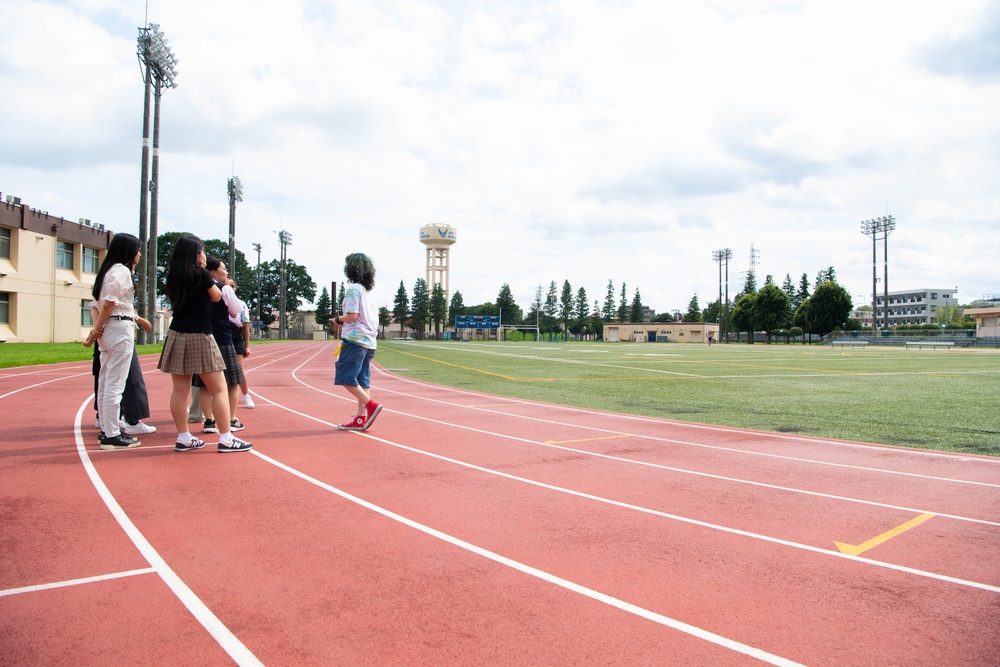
571	140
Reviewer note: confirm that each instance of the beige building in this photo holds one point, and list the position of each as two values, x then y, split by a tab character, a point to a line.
987	321
665	332
47	271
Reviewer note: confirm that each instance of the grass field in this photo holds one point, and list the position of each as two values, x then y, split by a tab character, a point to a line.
933	399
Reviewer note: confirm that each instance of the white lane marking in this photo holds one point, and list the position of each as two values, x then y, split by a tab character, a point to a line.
722	429
648	464
638	508
636	610
39	384
75	582
223	635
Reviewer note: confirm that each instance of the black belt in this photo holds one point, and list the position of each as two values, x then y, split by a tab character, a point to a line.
121	317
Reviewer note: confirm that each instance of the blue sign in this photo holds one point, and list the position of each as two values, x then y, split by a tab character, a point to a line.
477	322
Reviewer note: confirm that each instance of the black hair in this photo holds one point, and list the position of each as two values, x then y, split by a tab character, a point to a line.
359	268
121	251
183	272
212	262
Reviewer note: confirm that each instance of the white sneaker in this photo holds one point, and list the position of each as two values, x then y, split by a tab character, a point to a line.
139	428
247	402
97	422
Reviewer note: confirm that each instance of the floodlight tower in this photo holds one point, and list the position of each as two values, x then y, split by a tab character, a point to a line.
234	188
879	226
438	239
723	256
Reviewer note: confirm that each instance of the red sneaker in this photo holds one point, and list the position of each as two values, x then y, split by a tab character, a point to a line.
356	424
373	409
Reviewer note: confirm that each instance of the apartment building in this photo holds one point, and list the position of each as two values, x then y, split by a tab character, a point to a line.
918	306
47	270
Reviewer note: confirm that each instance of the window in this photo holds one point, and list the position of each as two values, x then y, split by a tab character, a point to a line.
4	243
85	319
64	255
4	307
90	264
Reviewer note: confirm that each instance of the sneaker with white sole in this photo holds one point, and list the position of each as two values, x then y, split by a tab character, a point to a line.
247	402
357	424
372	410
139	428
194	444
236	445
236	425
120	441
209	426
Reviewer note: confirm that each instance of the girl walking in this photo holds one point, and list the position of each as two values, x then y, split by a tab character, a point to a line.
190	348
360	321
114	331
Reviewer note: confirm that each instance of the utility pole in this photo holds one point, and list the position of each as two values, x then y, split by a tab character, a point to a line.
286	240
256	246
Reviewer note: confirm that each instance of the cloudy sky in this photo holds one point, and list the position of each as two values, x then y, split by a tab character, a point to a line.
579	140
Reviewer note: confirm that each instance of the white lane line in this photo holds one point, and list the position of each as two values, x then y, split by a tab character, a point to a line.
686	628
658	466
689	443
226	639
75	582
40	384
637	508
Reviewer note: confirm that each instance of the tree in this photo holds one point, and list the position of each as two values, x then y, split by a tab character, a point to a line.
582	309
323	309
741	318
827	275
750	284
244	275
635	313
801	294
551	308
770	309
384	318
609	303
566	306
510	312
420	307
299	288
456	309
829	308
438	308
711	312
623	306
534	315
401	307
693	313
338	308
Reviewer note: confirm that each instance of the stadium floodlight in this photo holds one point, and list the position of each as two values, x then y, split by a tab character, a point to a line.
875	228
158	67
723	256
234	188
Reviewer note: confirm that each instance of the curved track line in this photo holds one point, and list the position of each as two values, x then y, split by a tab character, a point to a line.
39	384
637	508
541	574
226	639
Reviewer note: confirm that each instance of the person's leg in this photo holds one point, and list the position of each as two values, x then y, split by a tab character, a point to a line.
115	360
218	393
179	401
362	395
135	401
195	413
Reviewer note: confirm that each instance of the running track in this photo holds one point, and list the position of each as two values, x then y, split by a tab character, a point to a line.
469	529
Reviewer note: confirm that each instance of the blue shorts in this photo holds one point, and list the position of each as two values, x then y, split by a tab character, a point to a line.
354	365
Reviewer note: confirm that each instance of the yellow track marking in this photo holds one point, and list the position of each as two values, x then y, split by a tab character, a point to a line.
855	550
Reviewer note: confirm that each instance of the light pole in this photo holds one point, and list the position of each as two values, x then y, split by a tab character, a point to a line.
723	256
157	64
234	188
286	240
873	228
256	246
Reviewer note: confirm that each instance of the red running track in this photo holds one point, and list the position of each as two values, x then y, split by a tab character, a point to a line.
470	529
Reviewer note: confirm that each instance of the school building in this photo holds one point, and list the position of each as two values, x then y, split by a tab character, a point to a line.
665	332
47	270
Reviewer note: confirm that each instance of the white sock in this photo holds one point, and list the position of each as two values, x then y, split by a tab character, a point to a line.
226	438
184	438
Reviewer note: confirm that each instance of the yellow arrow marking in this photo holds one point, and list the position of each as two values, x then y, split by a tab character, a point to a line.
565	442
856	550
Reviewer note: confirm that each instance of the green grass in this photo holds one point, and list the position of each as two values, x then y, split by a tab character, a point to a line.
933	399
30	354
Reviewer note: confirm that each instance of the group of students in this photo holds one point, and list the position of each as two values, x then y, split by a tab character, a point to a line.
205	347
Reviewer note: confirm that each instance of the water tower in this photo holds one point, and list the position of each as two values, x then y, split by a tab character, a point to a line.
438	239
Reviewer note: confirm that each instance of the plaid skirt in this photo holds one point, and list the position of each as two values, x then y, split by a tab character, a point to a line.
190	353
234	371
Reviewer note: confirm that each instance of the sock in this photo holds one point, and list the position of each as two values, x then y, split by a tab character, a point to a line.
184	438
226	438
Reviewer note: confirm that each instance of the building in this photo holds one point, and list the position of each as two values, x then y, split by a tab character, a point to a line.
661	332
47	270
913	306
987	321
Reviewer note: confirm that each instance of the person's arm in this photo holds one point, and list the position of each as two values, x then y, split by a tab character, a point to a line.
346	318
214	293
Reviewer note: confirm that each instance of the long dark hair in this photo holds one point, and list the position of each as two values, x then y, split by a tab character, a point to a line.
183	272
360	269
121	251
